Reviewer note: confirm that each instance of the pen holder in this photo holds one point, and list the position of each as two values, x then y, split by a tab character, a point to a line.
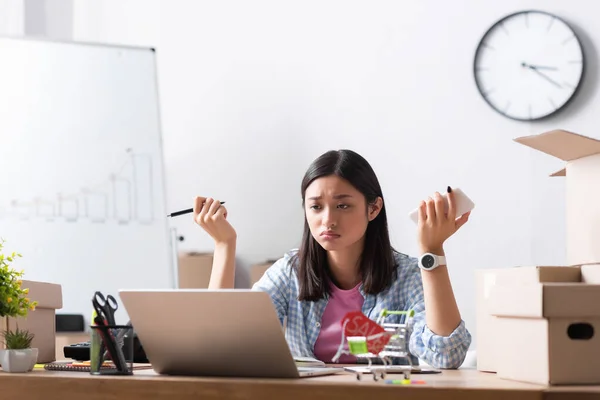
111	350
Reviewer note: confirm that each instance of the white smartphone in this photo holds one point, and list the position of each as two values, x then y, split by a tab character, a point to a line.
463	204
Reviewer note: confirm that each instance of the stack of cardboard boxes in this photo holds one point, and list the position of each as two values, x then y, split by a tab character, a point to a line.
541	324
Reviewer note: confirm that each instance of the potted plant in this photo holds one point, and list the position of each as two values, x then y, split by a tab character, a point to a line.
18	355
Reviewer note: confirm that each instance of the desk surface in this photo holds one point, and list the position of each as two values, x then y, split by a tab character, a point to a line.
146	385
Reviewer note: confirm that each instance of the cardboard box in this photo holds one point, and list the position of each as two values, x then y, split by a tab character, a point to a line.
540	324
194	270
590	273
490	341
258	270
41	321
582	172
67	338
554	325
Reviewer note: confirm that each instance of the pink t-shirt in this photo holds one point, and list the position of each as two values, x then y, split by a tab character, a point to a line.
340	303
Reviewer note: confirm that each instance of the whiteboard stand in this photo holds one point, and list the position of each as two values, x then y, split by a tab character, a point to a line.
174	256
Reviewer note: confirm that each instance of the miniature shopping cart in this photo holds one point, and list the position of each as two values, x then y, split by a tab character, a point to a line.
378	340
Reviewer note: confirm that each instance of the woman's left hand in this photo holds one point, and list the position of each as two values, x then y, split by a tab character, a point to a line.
436	224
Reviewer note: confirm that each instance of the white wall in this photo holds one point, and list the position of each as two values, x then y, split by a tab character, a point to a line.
253	91
12	17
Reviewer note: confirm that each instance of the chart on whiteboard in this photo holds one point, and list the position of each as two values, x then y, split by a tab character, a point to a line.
125	196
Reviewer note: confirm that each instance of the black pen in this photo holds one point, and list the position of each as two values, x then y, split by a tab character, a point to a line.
189	210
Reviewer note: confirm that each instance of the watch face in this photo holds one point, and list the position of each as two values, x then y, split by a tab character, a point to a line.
529	65
427	261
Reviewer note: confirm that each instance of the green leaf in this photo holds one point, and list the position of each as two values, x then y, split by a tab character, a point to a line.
10	289
19	339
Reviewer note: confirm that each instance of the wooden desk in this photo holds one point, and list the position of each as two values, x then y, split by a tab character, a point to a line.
572	392
146	385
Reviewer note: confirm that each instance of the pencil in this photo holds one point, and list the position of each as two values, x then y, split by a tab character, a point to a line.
187	211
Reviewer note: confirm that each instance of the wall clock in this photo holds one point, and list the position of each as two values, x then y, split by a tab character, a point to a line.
529	65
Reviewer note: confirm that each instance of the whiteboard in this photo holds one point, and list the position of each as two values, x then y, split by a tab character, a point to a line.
81	169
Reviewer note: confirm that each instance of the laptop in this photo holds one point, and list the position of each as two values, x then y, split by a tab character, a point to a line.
202	332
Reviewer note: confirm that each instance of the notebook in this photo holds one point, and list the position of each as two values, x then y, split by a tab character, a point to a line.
84	366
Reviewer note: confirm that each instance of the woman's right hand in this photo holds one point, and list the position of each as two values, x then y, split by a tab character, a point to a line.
211	215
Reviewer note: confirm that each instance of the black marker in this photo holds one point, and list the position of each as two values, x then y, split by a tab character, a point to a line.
189	210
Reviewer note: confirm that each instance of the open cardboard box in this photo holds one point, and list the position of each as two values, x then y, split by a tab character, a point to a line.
520	335
42	321
582	174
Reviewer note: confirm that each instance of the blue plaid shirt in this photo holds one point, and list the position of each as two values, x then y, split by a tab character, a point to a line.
303	318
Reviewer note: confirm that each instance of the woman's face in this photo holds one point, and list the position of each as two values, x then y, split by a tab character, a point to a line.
337	213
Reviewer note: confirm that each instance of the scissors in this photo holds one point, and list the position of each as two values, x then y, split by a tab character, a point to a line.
105	307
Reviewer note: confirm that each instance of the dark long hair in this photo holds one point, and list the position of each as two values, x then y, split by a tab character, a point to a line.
377	264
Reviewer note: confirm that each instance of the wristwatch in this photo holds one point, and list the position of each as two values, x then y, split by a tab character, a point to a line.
429	261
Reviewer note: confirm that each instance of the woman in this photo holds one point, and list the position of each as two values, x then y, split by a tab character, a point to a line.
346	263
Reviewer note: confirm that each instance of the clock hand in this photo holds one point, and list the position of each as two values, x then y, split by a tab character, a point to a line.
546	77
538	67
